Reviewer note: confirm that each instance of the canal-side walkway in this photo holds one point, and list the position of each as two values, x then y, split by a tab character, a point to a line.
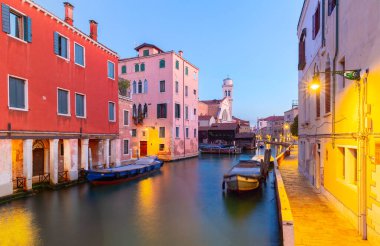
316	222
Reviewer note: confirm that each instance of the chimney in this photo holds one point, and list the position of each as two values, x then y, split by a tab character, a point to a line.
94	30
180	52
69	13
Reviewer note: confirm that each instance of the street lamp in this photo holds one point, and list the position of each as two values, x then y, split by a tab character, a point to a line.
348	74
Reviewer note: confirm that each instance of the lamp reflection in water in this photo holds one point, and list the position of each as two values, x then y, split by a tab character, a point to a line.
17	228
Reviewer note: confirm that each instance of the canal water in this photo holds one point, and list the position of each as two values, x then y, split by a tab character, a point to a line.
182	205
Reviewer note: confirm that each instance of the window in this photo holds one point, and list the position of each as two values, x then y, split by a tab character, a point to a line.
124	69
137	67
16	24
162	63
111	111
145	52
186	112
162	147
331	7
186	91
145	86
162	132
187	132
302	51
194	92
61	45
348	164
162	86
177	64
195	132
79	54
17	93
316	21
176	87
126	147
143	133
63	102
126	117
229	93
177	132
111	70
140	87
327	91
80	105
161	110
145	111
134	133
134	87
142	67
177	110
186	70
195	111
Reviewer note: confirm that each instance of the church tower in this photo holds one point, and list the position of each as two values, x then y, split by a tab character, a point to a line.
228	87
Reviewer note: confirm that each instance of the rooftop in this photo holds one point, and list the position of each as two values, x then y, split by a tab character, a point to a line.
145	45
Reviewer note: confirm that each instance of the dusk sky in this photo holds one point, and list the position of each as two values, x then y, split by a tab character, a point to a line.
254	42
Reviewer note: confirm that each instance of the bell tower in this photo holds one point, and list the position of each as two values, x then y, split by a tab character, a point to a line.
227	87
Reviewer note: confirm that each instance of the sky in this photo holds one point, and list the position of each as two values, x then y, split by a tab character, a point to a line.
253	42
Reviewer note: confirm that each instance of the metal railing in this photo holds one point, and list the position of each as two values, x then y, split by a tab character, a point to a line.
62	176
44	178
21	182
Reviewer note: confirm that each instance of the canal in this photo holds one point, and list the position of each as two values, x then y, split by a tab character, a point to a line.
182	205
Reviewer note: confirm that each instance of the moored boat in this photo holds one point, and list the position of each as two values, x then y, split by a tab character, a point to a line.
219	149
142	167
245	176
260	158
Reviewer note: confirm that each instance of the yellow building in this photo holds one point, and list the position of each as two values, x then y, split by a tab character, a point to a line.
339	121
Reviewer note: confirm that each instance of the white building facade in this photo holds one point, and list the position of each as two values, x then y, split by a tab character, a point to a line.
339	148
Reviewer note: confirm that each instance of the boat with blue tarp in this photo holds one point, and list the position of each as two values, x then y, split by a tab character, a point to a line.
141	167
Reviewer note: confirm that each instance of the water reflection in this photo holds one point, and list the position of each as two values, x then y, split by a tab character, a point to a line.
182	205
17	227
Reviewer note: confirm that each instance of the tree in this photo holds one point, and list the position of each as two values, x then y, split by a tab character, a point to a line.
123	86
294	127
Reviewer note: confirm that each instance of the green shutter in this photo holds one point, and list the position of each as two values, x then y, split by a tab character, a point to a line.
124	69
142	67
27	29
177	64
5	13
137	67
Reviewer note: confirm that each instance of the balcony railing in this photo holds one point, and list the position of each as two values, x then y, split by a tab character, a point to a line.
63	176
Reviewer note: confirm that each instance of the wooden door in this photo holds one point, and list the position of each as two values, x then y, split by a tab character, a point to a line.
143	148
38	161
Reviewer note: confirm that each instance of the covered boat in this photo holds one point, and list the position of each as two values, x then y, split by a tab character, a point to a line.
245	176
141	167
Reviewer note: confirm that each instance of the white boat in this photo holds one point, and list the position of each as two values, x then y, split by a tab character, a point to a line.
245	176
260	158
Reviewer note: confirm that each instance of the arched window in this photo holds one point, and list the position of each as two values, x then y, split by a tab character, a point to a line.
142	67
134	87
139	87
145	110
134	111
302	50
225	92
229	93
139	113
145	86
162	63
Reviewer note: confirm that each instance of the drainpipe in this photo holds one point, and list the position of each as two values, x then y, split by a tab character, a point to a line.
334	69
323	24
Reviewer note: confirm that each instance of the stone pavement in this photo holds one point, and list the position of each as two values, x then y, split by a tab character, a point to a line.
316	222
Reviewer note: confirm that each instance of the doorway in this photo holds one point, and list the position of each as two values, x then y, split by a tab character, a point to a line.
38	158
143	148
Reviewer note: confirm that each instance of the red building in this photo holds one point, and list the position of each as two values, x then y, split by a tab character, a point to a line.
58	97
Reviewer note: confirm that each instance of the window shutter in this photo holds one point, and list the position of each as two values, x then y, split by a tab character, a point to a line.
165	110
5	18
12	92
20	94
56	44
28	29
145	86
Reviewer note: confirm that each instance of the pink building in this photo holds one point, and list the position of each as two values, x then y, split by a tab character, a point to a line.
165	103
125	112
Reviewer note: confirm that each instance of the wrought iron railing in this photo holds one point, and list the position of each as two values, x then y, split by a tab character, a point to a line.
62	176
21	182
44	178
